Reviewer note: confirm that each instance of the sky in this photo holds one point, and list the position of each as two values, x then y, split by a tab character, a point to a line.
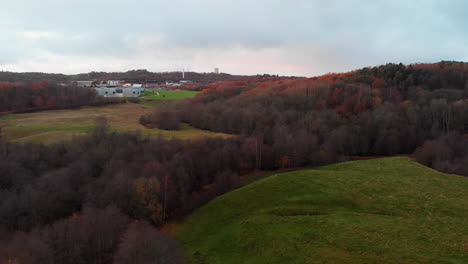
294	37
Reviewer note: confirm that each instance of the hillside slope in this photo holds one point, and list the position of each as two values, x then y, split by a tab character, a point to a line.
389	210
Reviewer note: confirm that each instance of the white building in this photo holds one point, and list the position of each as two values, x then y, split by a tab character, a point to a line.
113	82
120	91
173	84
114	88
85	83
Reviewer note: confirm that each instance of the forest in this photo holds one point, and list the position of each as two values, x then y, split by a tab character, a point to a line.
53	198
49	193
132	75
387	110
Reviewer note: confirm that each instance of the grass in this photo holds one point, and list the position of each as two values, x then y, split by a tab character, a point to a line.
52	126
153	98
389	210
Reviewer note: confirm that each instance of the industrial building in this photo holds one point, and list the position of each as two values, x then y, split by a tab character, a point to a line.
116	91
113	88
85	83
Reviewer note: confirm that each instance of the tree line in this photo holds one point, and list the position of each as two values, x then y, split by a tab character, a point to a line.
43	95
132	75
448	153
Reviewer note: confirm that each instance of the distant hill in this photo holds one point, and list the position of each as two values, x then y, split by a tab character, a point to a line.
133	75
447	74
390	210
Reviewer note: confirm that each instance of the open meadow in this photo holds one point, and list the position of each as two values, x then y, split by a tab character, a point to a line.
56	125
390	210
154	97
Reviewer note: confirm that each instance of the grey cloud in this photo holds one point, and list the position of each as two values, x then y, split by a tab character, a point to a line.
334	34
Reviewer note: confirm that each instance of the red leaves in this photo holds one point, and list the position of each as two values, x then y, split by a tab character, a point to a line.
51	101
378	83
42	85
38	101
4	87
336	97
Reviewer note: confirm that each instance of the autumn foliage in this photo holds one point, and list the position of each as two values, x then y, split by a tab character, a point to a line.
90	200
385	110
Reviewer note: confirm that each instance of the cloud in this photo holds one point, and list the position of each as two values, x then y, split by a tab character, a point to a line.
302	37
35	35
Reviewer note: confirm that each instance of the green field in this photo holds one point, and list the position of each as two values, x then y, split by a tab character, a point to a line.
55	125
52	126
152	98
389	210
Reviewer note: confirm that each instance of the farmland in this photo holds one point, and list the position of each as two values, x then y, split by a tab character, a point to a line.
389	210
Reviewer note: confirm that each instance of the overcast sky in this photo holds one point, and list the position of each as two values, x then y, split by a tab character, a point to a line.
294	37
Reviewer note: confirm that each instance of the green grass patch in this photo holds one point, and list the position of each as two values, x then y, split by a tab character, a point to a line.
153	98
21	132
389	210
50	137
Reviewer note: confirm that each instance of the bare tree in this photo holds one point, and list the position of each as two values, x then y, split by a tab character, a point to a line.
142	244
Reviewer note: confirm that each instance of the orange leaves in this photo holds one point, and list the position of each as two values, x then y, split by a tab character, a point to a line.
262	85
145	193
283	162
224	88
377	101
407	103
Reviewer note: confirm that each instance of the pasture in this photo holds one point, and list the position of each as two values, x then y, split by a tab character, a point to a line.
389	210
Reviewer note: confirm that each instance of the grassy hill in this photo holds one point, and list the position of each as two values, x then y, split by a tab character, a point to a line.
389	210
